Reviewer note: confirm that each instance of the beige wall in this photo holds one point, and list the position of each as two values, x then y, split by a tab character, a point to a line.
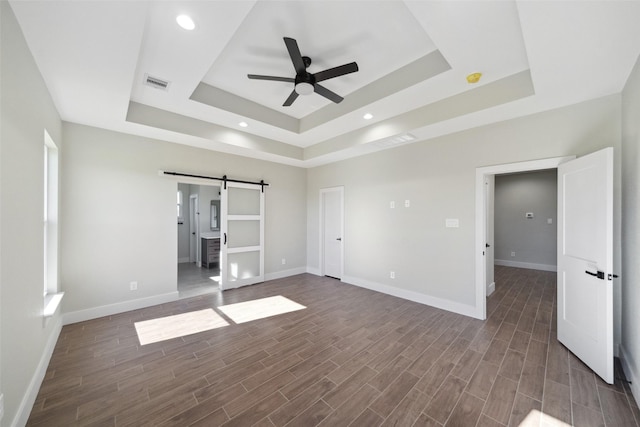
630	277
26	111
438	177
119	223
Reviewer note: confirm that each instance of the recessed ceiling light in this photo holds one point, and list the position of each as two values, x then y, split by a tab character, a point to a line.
474	77
243	124
186	22
368	116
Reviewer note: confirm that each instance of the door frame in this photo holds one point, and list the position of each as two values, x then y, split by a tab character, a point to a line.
481	217
194	227
323	192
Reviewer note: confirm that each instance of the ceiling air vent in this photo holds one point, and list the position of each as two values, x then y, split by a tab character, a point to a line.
156	83
394	140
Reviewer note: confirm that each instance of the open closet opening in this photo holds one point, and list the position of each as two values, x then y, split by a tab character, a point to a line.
525	214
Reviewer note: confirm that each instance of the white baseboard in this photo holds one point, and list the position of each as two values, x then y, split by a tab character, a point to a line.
285	273
465	310
29	398
491	288
120	307
313	270
529	265
183	260
631	372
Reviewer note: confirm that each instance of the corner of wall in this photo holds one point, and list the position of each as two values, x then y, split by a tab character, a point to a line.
29	398
630	372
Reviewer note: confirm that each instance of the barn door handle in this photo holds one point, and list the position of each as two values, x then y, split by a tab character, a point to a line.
599	274
225	239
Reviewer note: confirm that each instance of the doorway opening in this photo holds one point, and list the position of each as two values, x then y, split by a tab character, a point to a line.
484	201
521	222
198	239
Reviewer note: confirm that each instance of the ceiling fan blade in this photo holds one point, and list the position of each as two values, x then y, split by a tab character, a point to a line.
290	99
332	96
294	53
336	71
274	78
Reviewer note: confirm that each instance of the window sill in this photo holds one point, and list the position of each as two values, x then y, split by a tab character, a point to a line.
51	303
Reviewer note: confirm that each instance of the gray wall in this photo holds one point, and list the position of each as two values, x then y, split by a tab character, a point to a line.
26	111
630	277
533	240
105	247
438	176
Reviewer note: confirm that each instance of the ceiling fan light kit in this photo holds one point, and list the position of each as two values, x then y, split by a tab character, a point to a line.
304	88
304	82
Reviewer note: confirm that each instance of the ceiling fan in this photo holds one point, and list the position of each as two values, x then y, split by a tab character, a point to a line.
305	82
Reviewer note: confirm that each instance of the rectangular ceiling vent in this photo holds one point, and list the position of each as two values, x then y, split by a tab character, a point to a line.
394	140
156	83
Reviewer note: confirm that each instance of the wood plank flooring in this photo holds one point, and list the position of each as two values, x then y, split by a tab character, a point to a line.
352	357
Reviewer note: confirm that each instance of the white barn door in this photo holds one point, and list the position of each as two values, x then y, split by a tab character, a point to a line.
242	235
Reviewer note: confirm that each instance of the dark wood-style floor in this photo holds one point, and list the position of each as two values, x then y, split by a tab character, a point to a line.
352	357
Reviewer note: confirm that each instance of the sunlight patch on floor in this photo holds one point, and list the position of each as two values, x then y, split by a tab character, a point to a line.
179	325
535	417
260	308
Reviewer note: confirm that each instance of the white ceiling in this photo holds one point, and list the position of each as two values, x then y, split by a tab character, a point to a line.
413	57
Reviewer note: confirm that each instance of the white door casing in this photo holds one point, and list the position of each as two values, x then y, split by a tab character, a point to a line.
489	237
585	260
332	231
242	235
194	230
482	173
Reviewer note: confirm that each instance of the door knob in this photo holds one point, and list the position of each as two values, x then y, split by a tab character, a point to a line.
599	274
194	233
487	245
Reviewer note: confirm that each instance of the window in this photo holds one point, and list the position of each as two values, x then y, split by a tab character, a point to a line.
50	226
180	209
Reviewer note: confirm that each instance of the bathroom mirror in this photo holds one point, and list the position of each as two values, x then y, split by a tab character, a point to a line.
215	215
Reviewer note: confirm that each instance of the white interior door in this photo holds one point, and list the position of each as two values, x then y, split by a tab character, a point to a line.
332	232
585	260
242	235
489	239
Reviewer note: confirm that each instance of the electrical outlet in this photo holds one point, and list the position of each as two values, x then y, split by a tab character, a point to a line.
284	261
407	203
133	286
392	204
392	274
513	254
